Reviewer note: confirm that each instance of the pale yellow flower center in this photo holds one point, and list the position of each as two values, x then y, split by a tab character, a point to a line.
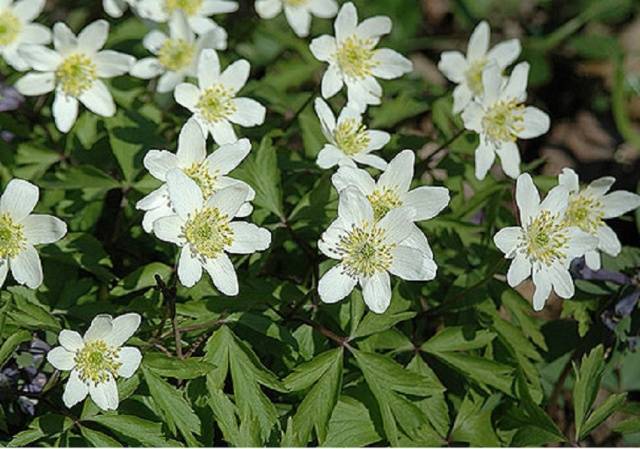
12	239
190	7
296	3
474	76
216	103
206	180
76	74
96	361
176	54
352	136
585	212
208	232
355	57
504	120
383	200
10	27
546	239
365	251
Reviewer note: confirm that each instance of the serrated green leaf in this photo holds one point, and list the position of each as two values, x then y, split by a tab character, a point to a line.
178	369
588	377
98	439
147	432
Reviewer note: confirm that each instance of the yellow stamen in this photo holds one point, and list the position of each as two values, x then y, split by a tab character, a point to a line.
10	27
176	54
190	7
355	57
585	212
383	200
365	251
203	177
352	136
12	239
216	103
504	121
96	361
208	232
76	74
546	239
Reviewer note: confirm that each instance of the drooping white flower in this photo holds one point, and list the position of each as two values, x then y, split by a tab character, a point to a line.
354	60
74	70
205	231
17	29
116	8
391	191
466	71
297	12
589	207
20	231
349	139
198	12
97	359
543	246
209	172
500	118
368	251
176	56
213	101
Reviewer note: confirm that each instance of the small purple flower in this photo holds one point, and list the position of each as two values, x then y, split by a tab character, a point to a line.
10	98
581	270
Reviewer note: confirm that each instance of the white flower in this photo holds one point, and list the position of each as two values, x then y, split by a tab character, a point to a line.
197	12
354	61
589	207
97	359
176	55
20	231
206	233
116	8
466	72
207	171
17	29
214	103
391	191
349	140
543	247
297	12
368	250
74	70
500	118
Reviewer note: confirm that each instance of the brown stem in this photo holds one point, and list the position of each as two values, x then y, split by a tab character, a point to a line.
424	163
170	296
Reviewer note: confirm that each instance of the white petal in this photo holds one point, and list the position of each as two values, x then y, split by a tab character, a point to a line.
223	133
378	139
506	239
330	156
41	229
556	200
399	172
208	68
186	196
65	111
93	37
354	208
147	68
519	270
601	186
325	9
228	156
169	229
374	27
111	63
223	274
19	199
536	123
27	10
63	38
542	290
335	285
179	27
377	292
561	281
371	160
41	58
189	268
149	219
453	65
100	327
75	391
517	84
326	117
412	264
154	41
98	100
36	83
192	145
169	80
248	112
397	224
70	340
236	75
350	176
492	81
478	42
619	203
229	199
211	7
485	156
592	259
390	64
346	22
105	395
608	241
569	179
4	270
427	201
472	117
579	244
159	163
130	359
323	47
61	359
505	53
268	9
510	159
248	238
187	95
299	19
332	81
527	198
462	96
122	328
26	268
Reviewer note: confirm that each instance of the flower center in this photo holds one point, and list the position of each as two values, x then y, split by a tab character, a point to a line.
12	240
203	177
352	136
504	120
176	54
546	239
296	3
355	57
365	251
474	76
383	200
208	232
190	7
216	103
96	361
10	27
585	212
76	74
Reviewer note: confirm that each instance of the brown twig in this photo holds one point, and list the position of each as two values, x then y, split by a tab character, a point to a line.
424	163
170	296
